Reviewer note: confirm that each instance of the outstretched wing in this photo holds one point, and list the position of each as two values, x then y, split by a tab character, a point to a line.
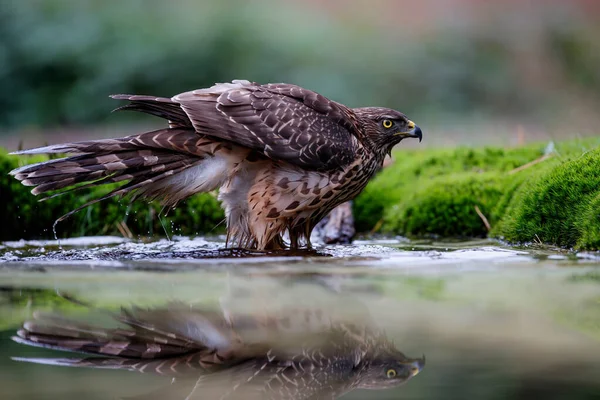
297	357
283	121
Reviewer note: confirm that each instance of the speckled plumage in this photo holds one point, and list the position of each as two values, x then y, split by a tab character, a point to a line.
303	354
281	156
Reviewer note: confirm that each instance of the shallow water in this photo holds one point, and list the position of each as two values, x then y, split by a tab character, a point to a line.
493	322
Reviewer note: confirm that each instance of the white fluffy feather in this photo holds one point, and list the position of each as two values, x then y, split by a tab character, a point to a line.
208	175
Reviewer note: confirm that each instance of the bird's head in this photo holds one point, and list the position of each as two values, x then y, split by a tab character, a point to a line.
389	370
386	127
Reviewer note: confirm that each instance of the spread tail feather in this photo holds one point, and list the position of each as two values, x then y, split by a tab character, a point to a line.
168	342
91	362
168	165
58	333
180	366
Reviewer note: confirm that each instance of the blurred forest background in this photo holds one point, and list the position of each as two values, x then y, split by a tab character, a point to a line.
468	72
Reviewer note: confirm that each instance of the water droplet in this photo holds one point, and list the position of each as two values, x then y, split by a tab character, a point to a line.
56	235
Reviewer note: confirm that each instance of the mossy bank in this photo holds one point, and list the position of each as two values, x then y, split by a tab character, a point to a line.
533	193
543	192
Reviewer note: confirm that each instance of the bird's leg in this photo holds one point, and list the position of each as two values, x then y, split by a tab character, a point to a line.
280	243
228	238
308	243
275	244
293	239
307	231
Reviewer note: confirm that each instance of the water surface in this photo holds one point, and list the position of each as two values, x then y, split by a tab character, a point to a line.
493	322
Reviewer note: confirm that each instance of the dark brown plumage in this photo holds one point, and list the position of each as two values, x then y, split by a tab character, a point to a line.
281	156
303	354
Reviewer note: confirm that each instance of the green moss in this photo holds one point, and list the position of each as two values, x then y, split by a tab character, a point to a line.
20	213
23	216
414	171
556	205
445	206
434	192
588	224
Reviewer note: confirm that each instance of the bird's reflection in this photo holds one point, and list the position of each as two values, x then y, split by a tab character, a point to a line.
214	353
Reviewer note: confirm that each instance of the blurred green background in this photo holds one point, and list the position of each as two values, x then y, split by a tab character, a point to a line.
469	72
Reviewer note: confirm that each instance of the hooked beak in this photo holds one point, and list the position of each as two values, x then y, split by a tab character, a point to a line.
414	132
416	365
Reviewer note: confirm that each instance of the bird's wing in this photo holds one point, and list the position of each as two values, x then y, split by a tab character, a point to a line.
148	334
282	121
202	345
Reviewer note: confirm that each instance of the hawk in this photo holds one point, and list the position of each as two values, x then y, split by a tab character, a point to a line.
281	156
300	355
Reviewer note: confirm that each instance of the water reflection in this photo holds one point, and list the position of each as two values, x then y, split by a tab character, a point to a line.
222	353
490	331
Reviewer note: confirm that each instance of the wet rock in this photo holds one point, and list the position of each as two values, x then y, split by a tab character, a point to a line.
338	226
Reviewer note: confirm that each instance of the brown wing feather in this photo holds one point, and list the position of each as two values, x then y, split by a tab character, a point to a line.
78	337
158	106
153	333
142	160
284	122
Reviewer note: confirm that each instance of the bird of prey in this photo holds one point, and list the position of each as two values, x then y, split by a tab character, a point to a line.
208	354
281	156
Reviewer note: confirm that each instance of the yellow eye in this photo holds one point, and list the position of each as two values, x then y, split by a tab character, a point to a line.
391	373
387	124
